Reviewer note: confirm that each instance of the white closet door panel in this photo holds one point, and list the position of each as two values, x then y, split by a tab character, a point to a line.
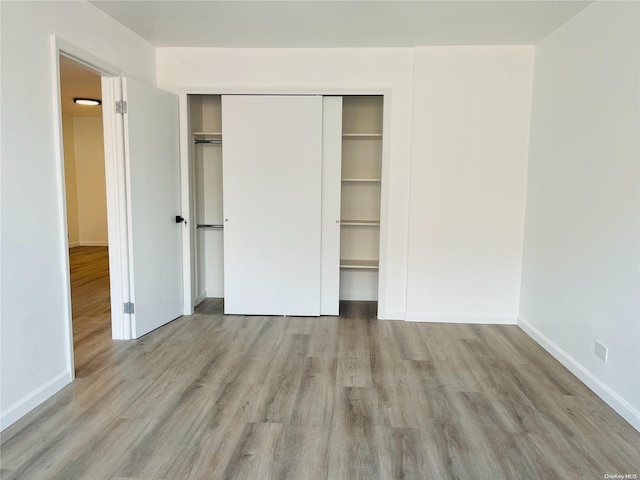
331	185
272	155
153	171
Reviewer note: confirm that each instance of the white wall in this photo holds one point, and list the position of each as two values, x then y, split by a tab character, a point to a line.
91	182
300	69
70	181
468	176
85	182
34	310
490	88
581	268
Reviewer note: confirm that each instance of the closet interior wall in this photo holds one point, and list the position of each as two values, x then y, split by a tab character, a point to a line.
205	123
360	197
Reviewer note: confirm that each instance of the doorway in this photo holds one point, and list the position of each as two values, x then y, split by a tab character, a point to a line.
86	213
144	265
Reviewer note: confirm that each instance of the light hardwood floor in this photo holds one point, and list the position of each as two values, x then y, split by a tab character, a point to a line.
219	397
91	309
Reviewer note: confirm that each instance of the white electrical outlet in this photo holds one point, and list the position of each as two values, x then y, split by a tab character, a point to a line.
601	351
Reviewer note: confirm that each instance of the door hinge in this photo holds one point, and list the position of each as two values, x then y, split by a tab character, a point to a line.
121	107
128	308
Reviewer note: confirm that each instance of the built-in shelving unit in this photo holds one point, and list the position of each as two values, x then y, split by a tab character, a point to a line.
360	197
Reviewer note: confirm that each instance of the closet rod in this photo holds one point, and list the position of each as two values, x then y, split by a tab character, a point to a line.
209	225
208	142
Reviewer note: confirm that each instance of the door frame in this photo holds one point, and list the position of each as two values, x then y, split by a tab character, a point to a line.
115	187
188	186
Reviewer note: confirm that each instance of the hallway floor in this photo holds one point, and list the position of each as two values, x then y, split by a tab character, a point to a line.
91	308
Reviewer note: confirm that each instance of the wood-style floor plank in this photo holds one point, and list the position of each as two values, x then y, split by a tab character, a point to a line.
353	446
210	396
405	455
255	452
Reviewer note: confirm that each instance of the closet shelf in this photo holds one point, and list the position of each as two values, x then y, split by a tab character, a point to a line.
361	180
361	135
359	264
207	134
363	223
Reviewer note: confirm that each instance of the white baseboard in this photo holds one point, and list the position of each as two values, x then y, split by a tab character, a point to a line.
391	315
215	293
475	319
33	399
611	398
93	243
74	244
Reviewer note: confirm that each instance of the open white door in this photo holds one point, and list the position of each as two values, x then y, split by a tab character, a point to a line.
272	156
152	161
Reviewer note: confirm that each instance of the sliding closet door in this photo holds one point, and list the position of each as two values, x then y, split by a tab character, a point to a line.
272	156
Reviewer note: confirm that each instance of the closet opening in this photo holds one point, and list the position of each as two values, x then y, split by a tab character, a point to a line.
360	197
205	143
86	214
350	177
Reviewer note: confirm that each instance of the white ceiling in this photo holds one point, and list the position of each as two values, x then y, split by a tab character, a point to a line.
328	23
78	81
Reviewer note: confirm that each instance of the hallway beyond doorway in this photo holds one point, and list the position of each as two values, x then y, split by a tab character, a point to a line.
91	309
